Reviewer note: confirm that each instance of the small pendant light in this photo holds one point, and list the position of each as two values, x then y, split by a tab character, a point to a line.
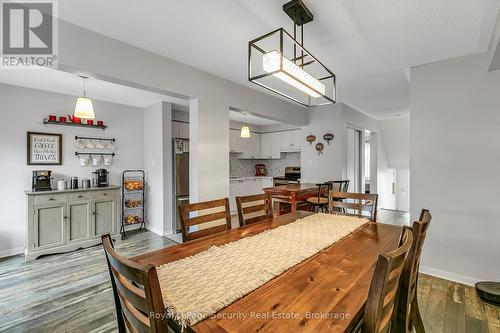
245	132
83	107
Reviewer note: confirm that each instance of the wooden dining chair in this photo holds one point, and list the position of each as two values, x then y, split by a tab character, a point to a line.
136	290
339	185
217	218
380	305
321	200
362	203
408	313
254	208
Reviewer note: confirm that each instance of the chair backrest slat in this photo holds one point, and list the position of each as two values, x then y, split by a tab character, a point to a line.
383	289
211	216
409	276
362	203
339	185
254	204
137	293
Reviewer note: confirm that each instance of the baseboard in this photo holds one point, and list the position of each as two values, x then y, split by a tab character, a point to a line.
468	280
11	252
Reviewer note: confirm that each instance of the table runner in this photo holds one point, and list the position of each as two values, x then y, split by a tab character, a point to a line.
199	286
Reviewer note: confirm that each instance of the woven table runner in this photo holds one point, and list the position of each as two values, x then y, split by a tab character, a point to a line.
199	286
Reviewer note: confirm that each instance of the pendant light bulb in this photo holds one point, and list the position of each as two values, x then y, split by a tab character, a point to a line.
245	132
84	107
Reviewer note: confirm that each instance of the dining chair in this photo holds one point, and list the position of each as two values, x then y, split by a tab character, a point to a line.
258	207
136	290
361	203
339	185
321	200
380	305
408	313
216	211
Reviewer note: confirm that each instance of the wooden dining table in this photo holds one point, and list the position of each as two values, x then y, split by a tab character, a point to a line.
325	293
291	194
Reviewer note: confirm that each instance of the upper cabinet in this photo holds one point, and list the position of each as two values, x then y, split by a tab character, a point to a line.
180	130
235	145
251	146
270	146
290	140
264	146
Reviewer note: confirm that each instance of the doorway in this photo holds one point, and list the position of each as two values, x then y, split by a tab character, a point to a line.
353	167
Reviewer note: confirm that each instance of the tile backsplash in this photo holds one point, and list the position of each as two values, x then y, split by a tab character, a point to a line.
275	168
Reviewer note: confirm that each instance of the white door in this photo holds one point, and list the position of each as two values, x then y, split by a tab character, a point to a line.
354	159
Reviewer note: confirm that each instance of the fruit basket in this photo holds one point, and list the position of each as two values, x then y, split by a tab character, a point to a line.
133	183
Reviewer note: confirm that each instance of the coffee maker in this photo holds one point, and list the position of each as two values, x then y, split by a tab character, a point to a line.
102	178
41	180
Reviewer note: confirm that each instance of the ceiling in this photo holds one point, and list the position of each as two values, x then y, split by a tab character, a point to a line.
369	44
246	118
46	79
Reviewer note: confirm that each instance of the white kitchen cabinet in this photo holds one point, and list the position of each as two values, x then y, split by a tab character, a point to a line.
234	141
270	146
290	140
246	186
183	130
251	147
180	130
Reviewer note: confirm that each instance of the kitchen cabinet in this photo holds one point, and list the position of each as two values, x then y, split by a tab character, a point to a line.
180	130
246	186
290	140
79	221
270	146
251	147
235	145
61	221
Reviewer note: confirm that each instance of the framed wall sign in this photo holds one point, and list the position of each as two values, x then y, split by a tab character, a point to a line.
44	149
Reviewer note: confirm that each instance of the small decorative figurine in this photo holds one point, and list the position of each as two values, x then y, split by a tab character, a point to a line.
311	138
328	137
319	148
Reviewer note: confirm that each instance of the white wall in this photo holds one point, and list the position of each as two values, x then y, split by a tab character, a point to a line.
454	159
158	167
316	167
23	110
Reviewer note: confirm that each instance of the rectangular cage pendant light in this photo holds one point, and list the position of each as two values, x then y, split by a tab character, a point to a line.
278	62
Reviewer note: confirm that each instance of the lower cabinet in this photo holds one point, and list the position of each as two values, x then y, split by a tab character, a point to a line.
60	222
246	186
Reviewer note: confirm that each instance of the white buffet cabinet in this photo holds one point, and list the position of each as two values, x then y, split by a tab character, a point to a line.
265	146
246	186
61	221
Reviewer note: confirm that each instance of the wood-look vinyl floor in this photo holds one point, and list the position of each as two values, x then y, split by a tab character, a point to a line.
71	292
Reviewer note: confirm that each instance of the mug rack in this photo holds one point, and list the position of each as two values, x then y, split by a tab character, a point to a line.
94	154
93	138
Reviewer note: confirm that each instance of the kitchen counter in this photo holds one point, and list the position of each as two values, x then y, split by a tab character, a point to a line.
110	187
249	178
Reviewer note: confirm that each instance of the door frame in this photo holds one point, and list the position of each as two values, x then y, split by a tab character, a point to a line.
361	155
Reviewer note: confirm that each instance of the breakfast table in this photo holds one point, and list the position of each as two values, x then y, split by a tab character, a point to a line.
324	293
290	194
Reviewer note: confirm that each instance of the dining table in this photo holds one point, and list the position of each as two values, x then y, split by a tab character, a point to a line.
324	293
290	194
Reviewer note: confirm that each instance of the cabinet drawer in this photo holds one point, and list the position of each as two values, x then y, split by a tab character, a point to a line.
105	194
79	196
49	199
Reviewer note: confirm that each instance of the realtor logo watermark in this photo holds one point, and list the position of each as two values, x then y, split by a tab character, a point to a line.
29	33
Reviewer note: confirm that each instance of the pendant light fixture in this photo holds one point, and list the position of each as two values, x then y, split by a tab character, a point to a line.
280	63
245	132
83	107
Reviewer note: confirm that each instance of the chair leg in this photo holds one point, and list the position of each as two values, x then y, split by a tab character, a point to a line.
416	318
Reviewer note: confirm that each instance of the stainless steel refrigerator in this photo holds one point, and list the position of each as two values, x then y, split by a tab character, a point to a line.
180	178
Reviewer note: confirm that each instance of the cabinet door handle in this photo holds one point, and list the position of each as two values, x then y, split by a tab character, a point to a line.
65	217
104	194
80	196
51	199
93	213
